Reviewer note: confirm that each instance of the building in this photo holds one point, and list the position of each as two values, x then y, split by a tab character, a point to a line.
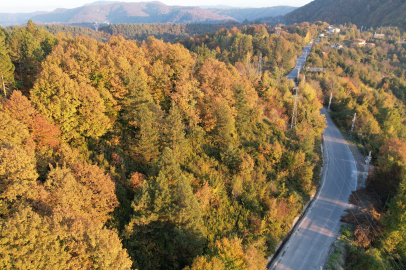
321	35
336	46
371	44
334	30
379	35
402	41
278	30
359	42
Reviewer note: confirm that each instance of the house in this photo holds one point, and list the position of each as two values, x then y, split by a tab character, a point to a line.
321	35
402	41
371	44
359	42
336	46
334	30
379	35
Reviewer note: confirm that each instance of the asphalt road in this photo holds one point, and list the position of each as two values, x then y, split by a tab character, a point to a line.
300	62
316	229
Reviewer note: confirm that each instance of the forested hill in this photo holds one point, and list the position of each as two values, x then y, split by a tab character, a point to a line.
367	13
126	155
142	12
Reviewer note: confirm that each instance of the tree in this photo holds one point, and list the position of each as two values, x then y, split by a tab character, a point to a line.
174	134
15	133
42	131
6	66
224	132
146	147
166	230
17	174
169	166
28	241
83	191
242	120
29	47
76	108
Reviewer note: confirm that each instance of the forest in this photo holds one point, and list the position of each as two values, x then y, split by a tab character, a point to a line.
140	31
144	154
128	155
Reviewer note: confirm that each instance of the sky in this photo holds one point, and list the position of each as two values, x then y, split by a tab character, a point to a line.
23	6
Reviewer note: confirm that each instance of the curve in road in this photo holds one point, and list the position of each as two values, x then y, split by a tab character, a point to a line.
316	229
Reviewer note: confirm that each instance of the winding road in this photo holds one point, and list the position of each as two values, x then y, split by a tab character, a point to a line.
315	232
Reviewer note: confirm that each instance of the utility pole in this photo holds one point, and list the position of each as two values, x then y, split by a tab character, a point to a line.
294	113
96	26
329	103
367	162
259	70
353	124
4	86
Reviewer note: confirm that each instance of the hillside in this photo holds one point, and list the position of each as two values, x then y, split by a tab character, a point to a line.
7	19
141	12
251	14
368	13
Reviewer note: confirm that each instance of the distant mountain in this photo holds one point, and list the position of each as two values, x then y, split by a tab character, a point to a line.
17	18
240	14
100	3
122	12
367	13
217	7
142	12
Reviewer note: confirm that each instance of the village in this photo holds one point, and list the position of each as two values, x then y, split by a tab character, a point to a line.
331	30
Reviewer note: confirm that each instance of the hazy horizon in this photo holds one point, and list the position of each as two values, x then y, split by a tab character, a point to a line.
25	6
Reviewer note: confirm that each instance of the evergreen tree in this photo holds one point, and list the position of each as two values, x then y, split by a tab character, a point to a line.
224	132
168	165
242	120
165	231
146	148
137	96
174	136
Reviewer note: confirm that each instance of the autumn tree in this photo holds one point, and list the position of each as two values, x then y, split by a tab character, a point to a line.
76	108
6	66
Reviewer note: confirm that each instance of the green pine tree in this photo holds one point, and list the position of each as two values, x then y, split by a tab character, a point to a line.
166	230
168	165
147	143
174	136
224	132
242	120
